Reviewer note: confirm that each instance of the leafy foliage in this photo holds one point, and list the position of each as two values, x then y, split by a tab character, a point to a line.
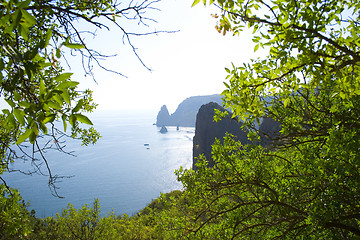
15	220
35	38
86	223
306	184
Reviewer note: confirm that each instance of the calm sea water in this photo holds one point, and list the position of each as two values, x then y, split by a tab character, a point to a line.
123	173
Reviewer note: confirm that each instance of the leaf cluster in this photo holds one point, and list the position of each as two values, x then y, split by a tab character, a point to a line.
305	185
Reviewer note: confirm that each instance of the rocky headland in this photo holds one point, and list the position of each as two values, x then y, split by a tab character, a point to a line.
185	114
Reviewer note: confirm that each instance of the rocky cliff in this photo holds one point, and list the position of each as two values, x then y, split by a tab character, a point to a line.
185	114
207	130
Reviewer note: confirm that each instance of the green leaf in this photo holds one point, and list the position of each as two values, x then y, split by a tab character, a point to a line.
49	118
35	128
284	18
195	3
83	119
58	99
72	120
25	104
48	36
20	115
63	77
24	32
32	137
65	95
256	27
16	19
74	45
23	136
256	47
6	111
43	127
17	96
78	106
11	120
24	4
68	84
42	87
286	102
63	117
28	17
10	102
54	105
58	53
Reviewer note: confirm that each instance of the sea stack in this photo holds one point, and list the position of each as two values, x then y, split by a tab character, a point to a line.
163	130
163	117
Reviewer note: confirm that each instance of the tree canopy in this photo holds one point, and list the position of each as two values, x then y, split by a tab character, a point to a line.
36	38
305	185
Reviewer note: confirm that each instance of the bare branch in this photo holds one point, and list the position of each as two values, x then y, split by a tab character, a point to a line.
6	186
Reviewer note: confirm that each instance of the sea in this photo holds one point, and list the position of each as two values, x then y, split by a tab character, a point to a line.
125	170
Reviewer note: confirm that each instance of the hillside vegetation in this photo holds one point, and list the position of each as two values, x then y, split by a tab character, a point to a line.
305	185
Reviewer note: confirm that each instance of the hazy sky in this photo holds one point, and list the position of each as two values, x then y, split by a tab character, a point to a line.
188	63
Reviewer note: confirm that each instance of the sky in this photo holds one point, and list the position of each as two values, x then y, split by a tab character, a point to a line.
190	62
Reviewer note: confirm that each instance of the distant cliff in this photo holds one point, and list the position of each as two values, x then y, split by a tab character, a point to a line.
207	130
185	114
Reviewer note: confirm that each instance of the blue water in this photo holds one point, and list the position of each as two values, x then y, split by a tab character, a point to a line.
119	170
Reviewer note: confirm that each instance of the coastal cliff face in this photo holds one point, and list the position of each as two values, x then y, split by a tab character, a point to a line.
207	130
185	114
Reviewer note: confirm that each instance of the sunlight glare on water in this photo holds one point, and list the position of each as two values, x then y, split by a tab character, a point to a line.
128	167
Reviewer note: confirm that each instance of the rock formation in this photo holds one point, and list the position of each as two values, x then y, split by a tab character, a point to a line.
207	130
163	130
185	114
163	117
